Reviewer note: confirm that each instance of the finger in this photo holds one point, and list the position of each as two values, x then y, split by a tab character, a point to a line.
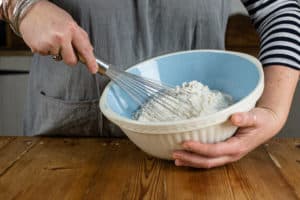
45	47
188	159
85	49
232	146
246	119
55	51
43	53
68	54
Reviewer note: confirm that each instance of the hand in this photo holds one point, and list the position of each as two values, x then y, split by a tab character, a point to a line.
255	127
49	30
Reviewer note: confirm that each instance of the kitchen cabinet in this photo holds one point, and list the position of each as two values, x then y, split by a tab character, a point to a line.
13	86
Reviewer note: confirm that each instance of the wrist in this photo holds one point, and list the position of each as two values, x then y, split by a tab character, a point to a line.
280	84
13	11
268	122
21	9
1	9
6	10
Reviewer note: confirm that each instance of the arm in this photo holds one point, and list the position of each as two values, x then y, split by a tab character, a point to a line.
278	24
279	30
49	30
280	85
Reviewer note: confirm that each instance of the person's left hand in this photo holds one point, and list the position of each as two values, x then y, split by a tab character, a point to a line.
255	127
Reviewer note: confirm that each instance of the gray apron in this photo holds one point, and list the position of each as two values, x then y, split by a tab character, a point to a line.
64	100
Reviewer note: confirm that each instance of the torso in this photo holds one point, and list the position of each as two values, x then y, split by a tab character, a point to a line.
123	32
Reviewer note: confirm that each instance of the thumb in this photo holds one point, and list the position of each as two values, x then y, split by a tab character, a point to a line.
245	119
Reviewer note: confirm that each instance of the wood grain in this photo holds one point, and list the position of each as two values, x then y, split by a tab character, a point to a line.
241	35
286	154
17	148
78	168
59	169
5	141
254	177
10	52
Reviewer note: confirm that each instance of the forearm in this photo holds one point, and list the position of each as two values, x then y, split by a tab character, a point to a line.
280	85
277	23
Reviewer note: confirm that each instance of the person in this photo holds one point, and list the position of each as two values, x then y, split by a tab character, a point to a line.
64	100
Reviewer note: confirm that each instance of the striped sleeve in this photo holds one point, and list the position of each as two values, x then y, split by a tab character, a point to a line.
278	25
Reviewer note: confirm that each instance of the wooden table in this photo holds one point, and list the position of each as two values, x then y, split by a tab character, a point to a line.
78	168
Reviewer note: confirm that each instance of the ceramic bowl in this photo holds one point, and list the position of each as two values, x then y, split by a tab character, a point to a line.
237	74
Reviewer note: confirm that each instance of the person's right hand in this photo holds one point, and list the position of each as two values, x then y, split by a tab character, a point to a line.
49	30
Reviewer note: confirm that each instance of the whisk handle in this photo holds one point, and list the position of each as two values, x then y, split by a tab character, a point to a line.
103	67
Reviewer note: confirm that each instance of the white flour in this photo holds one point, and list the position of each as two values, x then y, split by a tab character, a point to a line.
203	100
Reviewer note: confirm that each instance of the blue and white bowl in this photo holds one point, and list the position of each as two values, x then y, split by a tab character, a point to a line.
237	74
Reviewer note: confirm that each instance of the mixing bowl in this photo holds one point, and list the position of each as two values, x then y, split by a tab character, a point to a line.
236	74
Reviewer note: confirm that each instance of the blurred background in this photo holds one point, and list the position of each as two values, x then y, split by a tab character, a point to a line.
15	59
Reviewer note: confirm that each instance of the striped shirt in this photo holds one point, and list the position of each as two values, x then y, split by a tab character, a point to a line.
278	25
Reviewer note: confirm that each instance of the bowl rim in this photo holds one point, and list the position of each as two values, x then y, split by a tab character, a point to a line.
207	120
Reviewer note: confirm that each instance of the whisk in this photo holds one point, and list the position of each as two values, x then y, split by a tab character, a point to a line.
144	91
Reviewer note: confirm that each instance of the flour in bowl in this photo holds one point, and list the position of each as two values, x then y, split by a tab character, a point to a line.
203	100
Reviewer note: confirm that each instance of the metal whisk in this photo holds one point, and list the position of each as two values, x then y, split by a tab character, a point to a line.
146	91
